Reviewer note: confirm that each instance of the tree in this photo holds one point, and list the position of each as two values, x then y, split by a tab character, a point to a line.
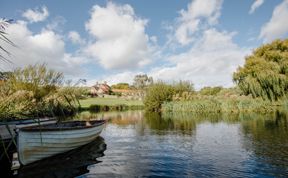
265	72
142	81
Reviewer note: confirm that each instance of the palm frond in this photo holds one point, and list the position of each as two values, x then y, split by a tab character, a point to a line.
3	25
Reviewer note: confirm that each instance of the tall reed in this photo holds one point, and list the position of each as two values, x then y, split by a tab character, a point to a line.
216	105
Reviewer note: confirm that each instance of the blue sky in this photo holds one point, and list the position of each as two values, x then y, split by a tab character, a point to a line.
203	41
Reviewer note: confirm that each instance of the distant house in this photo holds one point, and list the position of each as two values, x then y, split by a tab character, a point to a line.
100	89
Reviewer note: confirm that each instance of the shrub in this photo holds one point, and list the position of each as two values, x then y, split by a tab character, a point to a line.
35	78
156	95
36	91
182	87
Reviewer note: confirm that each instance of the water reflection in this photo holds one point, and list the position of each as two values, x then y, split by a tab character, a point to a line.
177	145
267	138
163	123
70	164
185	145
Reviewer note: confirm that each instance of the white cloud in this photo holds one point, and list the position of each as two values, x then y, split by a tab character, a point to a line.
36	15
75	37
154	39
56	24
211	56
199	12
44	47
122	77
277	27
255	5
210	62
121	41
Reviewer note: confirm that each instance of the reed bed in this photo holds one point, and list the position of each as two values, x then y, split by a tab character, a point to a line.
223	105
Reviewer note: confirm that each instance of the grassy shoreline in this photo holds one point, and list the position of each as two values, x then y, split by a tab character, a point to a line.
109	104
222	105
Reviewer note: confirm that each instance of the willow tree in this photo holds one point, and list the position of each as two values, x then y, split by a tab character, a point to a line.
265	72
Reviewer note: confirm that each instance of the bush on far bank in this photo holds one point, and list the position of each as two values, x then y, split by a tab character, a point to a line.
161	92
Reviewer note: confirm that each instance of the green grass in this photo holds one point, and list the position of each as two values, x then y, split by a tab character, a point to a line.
109	102
104	104
228	105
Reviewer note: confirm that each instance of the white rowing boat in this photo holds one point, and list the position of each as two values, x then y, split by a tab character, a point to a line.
7	129
39	142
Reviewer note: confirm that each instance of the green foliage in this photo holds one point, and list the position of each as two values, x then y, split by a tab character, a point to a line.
196	106
223	105
122	86
118	94
86	103
81	92
157	94
183	86
17	104
35	78
36	91
208	93
210	90
230	92
161	92
265	73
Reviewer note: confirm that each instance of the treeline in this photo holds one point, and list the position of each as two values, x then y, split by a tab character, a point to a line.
181	97
140	82
262	86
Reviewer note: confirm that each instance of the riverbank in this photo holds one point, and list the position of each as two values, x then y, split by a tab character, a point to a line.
224	105
109	104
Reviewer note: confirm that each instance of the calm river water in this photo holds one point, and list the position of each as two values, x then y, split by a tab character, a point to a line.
134	144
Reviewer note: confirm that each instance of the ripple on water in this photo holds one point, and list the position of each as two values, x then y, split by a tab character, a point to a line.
191	147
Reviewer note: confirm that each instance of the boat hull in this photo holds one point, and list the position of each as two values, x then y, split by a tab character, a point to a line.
7	129
34	146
